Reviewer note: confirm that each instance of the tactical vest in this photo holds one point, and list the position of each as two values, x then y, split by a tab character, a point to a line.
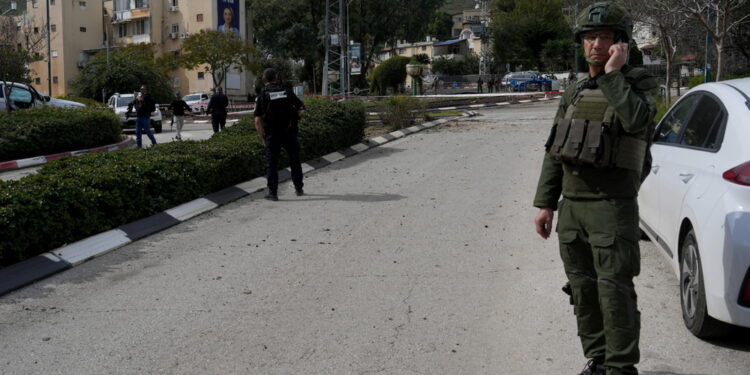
589	135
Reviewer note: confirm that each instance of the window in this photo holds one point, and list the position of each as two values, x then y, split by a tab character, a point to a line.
54	53
141	3
142	27
38	81
424	48
176	82
36	30
121	5
53	28
673	122
199	17
175	28
54	79
703	128
122	30
201	75
34	3
175	3
83	29
82	4
52	3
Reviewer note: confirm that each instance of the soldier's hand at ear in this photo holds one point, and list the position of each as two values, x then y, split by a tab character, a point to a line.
618	56
543	222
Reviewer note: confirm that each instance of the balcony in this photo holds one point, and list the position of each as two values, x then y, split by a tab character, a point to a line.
134	39
140	9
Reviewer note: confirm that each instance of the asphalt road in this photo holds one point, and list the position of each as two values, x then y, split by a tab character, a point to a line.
418	257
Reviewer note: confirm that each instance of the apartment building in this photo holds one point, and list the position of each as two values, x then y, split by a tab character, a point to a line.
91	26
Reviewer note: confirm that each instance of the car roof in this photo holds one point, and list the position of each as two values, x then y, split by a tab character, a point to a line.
742	84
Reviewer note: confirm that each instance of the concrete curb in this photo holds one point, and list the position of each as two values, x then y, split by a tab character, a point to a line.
63	258
39	160
488	105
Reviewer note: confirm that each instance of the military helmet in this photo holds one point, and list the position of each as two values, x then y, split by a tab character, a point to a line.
605	16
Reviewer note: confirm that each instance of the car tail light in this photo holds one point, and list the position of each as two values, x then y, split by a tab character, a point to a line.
745	290
739	174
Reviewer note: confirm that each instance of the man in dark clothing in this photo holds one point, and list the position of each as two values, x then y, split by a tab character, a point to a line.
277	112
217	108
479	85
178	108
144	105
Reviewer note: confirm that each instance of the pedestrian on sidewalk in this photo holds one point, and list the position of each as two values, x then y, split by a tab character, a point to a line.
144	105
597	227
217	108
277	112
490	84
178	108
479	85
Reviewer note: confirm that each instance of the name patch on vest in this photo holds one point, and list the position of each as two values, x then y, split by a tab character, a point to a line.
277	95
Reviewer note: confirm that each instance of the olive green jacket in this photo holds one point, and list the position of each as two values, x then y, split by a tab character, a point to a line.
630	91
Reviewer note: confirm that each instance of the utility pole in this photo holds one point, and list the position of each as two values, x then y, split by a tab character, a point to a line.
49	54
707	62
334	63
485	57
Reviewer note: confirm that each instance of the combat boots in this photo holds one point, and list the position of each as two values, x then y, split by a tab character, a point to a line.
594	367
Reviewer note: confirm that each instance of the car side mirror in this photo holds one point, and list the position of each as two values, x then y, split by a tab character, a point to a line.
47	98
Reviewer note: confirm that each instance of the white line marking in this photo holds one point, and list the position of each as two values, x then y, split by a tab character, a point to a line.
191	209
398	134
99	244
306	168
23	163
359	147
253	185
477	105
379	140
334	156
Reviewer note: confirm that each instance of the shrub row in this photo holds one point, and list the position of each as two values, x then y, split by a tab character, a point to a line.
73	198
48	130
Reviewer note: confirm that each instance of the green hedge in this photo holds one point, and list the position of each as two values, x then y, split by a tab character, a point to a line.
49	130
74	198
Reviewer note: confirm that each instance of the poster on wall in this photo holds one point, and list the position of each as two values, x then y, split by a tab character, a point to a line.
228	12
355	53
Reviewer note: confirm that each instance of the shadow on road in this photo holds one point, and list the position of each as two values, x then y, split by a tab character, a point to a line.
665	373
738	338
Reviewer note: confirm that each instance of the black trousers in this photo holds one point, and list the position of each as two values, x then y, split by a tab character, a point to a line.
218	121
274	144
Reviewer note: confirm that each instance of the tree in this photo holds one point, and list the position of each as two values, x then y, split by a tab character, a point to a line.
719	18
669	25
217	52
456	67
441	26
19	47
125	71
390	74
294	28
521	29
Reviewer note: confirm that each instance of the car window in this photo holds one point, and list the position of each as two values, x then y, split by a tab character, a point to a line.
188	98
703	128
21	97
674	120
124	101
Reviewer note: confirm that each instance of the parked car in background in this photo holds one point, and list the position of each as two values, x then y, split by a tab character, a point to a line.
513	79
197	102
63	103
23	96
695	203
119	103
20	96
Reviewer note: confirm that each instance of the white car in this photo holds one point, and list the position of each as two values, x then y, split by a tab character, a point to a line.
695	203
197	102
24	96
119	103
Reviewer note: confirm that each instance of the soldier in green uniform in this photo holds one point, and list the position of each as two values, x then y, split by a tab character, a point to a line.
597	155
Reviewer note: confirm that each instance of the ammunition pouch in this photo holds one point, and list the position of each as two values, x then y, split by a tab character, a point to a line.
596	144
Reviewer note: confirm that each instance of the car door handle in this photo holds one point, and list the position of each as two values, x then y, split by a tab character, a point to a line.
686	177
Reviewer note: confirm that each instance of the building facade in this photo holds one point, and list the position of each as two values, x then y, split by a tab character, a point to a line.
91	26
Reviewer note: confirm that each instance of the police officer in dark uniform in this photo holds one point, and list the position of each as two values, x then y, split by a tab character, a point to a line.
217	107
277	111
597	155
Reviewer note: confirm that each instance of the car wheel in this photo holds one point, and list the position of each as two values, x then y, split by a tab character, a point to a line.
693	293
157	127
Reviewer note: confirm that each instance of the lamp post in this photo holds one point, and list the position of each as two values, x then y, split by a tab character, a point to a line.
49	53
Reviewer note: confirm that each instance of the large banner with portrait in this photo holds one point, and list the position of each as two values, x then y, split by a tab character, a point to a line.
228	16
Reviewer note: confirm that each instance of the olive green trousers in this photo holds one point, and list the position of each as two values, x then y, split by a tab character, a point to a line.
599	249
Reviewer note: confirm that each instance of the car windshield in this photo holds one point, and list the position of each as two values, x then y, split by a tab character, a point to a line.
123	101
193	97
